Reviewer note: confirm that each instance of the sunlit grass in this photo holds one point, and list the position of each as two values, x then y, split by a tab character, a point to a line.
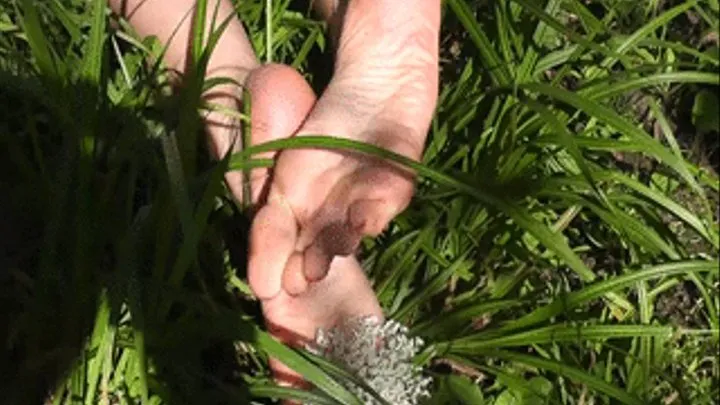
554	224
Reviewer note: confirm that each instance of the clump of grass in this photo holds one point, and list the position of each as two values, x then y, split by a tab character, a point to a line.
533	262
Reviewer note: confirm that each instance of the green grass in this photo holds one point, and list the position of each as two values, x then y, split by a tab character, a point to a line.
561	247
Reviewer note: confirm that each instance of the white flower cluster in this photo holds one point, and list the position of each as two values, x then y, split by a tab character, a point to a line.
378	353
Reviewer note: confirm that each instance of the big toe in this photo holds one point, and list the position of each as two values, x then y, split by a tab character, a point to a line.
281	100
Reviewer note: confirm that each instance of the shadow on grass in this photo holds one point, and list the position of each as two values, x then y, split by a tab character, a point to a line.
86	208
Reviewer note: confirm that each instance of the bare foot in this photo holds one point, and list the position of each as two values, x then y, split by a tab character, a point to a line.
321	203
281	100
294	319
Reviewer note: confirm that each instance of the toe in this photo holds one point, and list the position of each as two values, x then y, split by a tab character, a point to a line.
281	99
272	240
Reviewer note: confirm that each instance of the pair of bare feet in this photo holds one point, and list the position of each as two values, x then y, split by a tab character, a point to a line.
316	205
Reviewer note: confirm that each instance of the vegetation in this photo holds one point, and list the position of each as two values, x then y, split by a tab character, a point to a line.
561	248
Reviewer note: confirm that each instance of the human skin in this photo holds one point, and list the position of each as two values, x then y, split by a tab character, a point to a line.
383	91
171	21
320	203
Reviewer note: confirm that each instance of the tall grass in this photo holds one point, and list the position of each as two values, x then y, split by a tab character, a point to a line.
559	208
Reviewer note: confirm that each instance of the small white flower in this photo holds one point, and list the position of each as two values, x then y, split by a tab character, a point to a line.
378	353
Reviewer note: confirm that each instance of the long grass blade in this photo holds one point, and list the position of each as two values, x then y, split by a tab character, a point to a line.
597	290
613	119
554	334
572	373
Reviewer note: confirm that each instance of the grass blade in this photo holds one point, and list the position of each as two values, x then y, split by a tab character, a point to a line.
575	374
613	119
605	89
553	334
646	30
38	41
597	290
95	52
552	240
301	365
496	67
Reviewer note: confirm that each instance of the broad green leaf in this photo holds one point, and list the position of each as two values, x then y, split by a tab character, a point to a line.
464	389
705	111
